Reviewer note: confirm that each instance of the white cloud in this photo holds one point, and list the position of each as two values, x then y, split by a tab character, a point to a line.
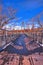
17	27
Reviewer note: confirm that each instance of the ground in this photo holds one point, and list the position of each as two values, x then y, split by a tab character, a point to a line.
22	51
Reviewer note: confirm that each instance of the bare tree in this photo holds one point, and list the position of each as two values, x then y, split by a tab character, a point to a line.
41	27
27	24
6	16
23	25
38	16
4	19
39	22
32	20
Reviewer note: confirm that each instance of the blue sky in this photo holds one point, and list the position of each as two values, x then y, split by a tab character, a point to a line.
26	9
